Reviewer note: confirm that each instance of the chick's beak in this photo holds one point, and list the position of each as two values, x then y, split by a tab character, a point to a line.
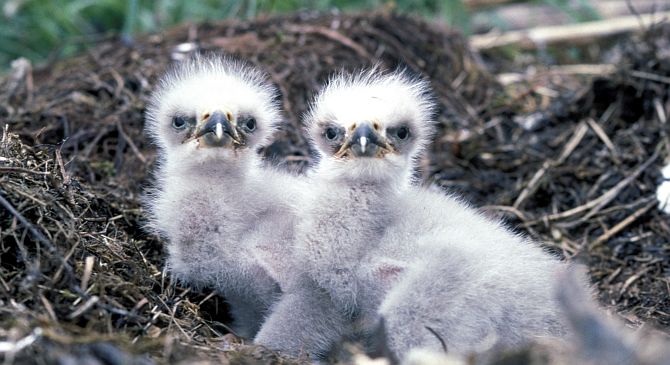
216	129
365	142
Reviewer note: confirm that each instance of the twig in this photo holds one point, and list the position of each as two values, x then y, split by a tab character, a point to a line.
623	224
61	165
48	307
603	137
598	203
13	347
94	143
84	307
509	78
21	170
650	76
633	279
572	33
332	35
88	269
208	297
577	136
519	214
37	235
26	195
130	143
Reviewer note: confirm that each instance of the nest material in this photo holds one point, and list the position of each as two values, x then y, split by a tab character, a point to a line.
80	278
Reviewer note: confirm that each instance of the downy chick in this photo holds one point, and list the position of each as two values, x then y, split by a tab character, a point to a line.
368	129
213	201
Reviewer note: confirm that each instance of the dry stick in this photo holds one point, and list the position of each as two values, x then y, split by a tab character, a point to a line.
21	170
573	33
61	165
407	57
26	195
49	308
650	76
37	235
120	84
623	224
633	279
88	304
208	297
519	214
577	136
509	78
94	143
603	137
88	269
332	35
130	143
598	203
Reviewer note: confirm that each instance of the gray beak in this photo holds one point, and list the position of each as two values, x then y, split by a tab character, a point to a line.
364	142
216	128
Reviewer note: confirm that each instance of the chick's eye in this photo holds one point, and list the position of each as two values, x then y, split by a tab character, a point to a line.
250	124
331	133
179	123
402	133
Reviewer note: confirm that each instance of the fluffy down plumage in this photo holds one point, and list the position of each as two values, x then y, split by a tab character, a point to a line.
212	200
375	245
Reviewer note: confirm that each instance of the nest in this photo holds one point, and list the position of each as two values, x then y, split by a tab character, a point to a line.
81	280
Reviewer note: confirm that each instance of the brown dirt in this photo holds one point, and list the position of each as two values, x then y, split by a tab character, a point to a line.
78	272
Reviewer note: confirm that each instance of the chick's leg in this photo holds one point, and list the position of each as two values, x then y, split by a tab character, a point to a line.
249	307
247	315
303	321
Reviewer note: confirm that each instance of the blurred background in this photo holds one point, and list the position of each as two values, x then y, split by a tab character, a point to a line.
44	30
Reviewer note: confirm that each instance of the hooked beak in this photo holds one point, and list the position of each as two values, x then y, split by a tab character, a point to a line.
216	130
365	142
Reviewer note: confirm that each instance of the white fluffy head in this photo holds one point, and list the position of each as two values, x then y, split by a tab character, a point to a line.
395	109
201	87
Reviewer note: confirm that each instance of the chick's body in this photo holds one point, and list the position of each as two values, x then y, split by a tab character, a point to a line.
376	246
213	201
212	232
468	281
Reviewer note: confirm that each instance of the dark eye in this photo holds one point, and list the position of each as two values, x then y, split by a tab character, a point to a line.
179	123
250	124
402	133
331	133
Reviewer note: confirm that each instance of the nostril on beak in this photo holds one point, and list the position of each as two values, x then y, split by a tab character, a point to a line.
363	141
364	134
